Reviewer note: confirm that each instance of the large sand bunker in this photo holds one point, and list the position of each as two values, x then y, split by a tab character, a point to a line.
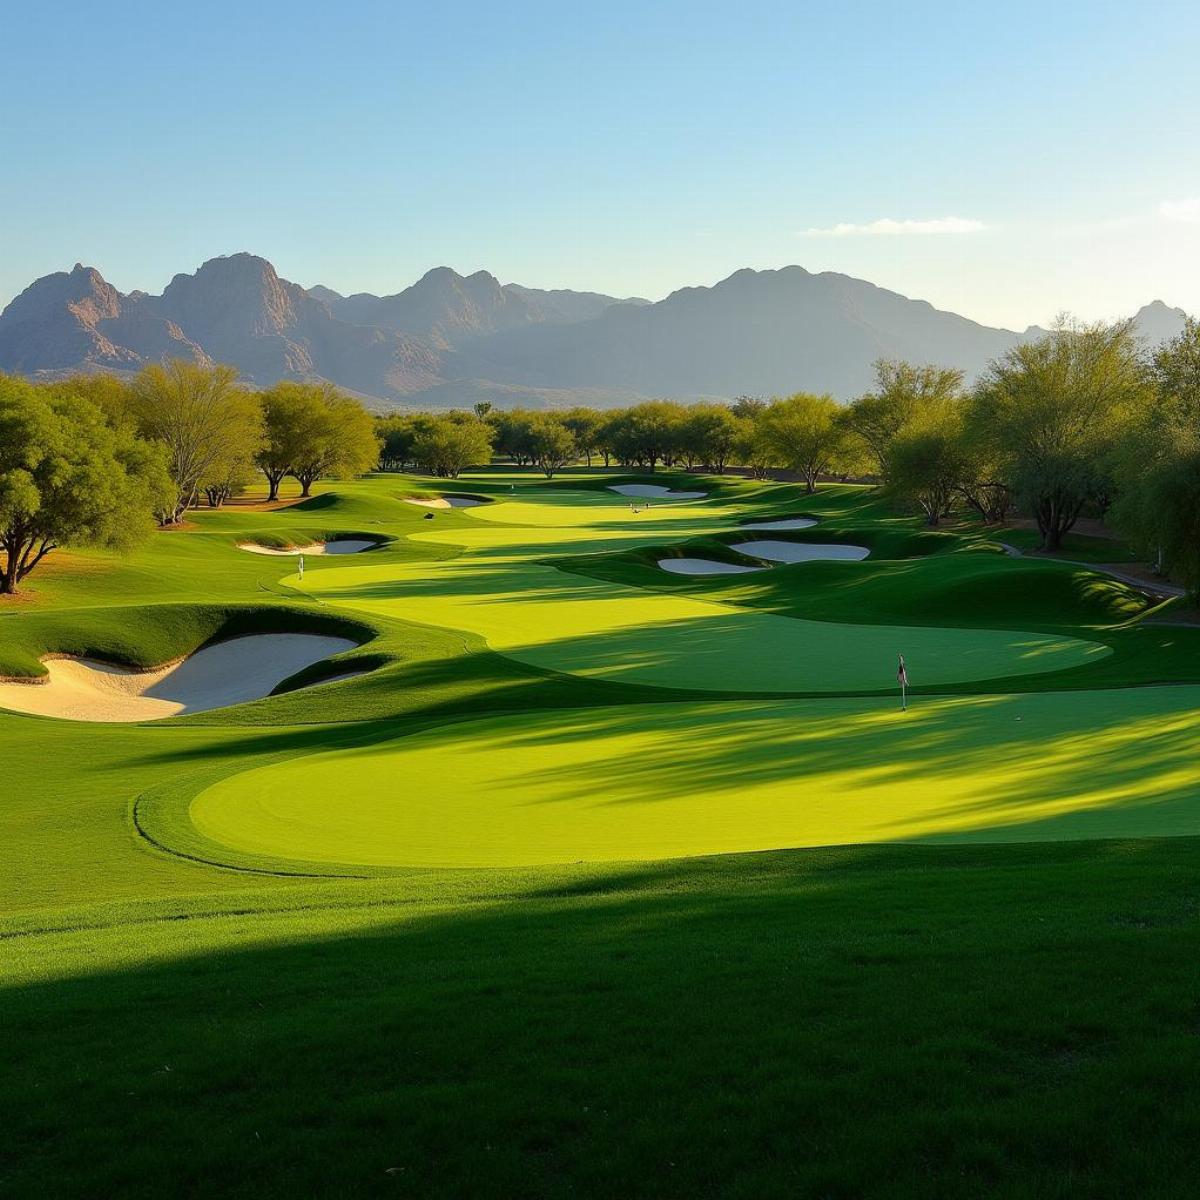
703	566
652	491
333	546
447	501
794	552
233	672
785	523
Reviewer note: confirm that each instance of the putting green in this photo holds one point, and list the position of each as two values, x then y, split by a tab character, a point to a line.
502	588
675	780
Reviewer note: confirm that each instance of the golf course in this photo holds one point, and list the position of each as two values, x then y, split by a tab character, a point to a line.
523	836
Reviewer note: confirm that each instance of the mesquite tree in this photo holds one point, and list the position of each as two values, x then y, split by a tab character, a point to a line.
1056	410
207	422
68	478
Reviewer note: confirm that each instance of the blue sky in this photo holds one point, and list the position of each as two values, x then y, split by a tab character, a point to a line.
1006	161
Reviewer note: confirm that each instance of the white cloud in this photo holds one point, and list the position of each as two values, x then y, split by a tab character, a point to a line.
1181	210
887	227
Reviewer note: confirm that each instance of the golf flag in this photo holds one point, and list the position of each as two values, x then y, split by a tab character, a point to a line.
902	679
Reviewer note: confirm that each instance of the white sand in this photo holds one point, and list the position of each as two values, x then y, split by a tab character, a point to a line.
337	546
787	523
233	672
703	566
651	491
793	552
447	502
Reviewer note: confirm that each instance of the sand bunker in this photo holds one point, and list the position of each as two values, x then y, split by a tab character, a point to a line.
651	491
786	523
794	552
703	566
447	502
334	546
233	672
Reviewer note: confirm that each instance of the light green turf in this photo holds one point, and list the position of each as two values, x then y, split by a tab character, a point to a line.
689	779
498	588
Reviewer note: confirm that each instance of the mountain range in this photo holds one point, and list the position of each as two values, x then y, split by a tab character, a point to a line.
450	340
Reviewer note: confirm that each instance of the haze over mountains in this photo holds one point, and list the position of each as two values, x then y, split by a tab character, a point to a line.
452	340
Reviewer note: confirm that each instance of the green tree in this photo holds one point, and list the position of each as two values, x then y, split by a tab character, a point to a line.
512	432
311	430
1056	410
754	449
1159	463
551	443
747	407
708	434
396	433
69	478
584	424
903	394
202	417
646	434
805	433
446	447
927	464
340	442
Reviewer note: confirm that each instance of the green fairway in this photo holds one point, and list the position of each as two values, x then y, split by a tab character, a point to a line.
500	588
679	780
454	926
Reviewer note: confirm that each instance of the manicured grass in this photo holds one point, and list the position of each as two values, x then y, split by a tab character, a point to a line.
253	952
876	1022
682	780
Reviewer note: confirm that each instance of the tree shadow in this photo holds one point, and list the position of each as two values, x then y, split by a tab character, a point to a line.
848	1023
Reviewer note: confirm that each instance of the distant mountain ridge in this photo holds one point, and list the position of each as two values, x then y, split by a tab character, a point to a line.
450	339
450	308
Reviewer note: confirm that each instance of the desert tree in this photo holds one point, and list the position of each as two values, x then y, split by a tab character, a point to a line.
927	463
396	433
708	434
903	393
70	478
806	434
551	443
1159	464
645	434
444	446
584	424
203	418
1057	410
312	431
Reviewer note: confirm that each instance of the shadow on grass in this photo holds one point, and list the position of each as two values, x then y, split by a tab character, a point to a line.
852	1023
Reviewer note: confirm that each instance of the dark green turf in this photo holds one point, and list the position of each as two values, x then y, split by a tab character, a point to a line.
891	1021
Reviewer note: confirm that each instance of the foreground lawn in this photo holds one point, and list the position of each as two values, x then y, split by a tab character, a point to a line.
863	1022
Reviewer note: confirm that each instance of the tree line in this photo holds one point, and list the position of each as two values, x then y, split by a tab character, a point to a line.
806	433
1081	421
97	460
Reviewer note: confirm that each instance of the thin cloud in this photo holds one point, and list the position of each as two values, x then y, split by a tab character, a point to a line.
1186	211
887	227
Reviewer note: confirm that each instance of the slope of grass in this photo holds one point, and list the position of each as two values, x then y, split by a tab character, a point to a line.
188	1017
958	1022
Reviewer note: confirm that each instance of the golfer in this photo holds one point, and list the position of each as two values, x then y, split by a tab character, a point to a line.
902	680
300	566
